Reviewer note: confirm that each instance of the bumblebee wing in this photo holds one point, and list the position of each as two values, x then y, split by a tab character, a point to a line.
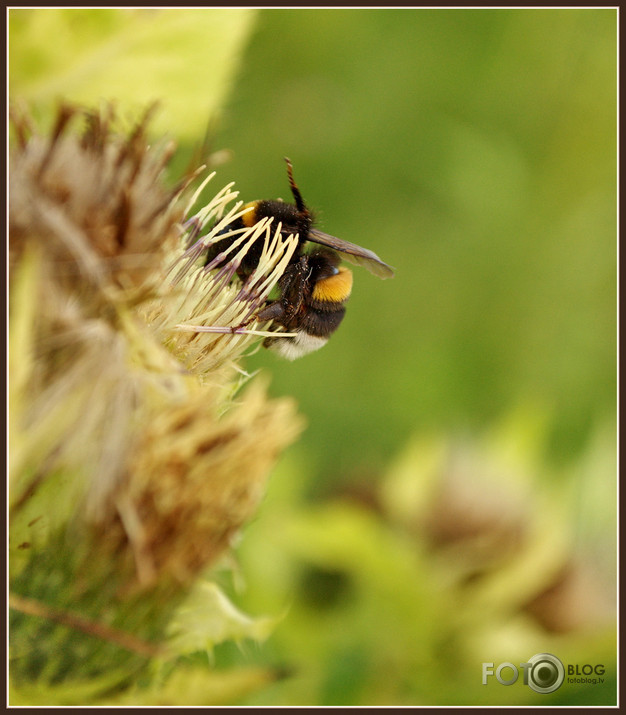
353	253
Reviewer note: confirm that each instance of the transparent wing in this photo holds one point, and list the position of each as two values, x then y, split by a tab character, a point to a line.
353	253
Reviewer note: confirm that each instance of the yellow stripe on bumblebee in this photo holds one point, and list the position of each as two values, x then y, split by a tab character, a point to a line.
335	289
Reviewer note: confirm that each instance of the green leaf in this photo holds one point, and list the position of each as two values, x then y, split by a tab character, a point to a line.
185	59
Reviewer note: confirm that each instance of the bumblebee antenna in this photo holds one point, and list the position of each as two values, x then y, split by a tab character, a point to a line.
301	206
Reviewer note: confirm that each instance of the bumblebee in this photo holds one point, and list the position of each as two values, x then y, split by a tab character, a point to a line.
314	287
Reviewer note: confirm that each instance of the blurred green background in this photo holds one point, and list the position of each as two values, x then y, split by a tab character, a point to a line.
475	151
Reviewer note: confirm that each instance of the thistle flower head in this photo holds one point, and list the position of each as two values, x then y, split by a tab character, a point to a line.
120	271
130	437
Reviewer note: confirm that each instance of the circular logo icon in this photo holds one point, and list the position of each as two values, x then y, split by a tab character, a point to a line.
546	673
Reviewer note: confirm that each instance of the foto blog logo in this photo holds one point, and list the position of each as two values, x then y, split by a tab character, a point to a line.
544	673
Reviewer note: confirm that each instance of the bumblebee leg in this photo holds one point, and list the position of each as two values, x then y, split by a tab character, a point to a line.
272	311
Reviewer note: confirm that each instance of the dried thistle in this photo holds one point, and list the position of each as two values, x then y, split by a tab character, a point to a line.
135	459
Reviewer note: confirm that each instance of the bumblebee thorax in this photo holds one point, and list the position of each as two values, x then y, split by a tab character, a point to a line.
293	221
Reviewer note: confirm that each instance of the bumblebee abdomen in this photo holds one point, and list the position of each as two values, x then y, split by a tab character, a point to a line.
334	289
315	328
323	323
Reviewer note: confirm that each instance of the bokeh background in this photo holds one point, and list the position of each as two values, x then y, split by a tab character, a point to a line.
452	500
